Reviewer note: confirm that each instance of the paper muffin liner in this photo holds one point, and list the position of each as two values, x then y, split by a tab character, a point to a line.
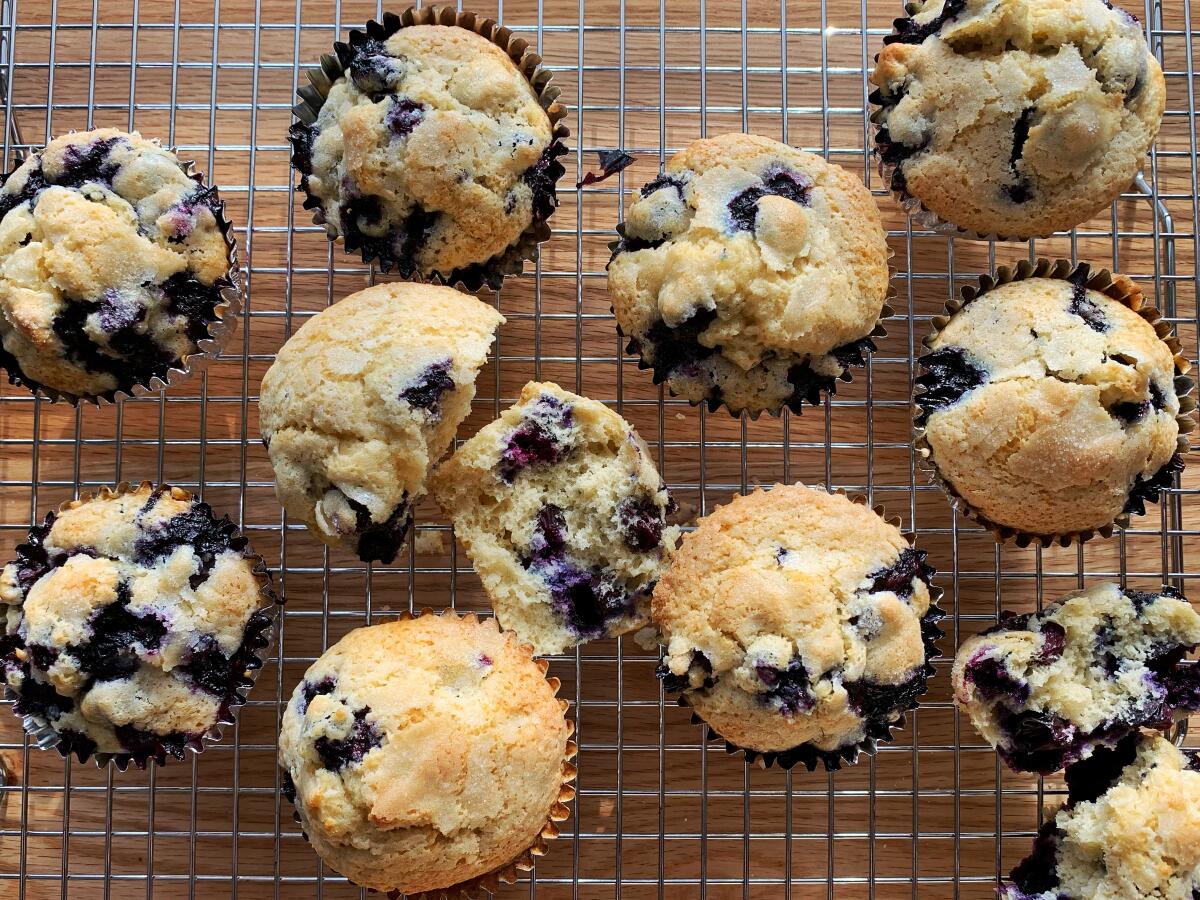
510	261
474	888
219	331
1120	288
258	636
877	733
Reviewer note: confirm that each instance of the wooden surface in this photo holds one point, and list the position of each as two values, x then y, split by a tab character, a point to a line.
740	830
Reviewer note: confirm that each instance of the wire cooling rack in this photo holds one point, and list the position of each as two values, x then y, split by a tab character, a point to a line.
659	814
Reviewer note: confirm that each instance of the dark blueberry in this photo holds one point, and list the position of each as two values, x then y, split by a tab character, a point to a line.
898	578
880	703
89	163
1020	136
641	522
672	348
39	698
116	313
313	689
1054	642
542	177
676	684
1193	762
404	115
1089	778
35	183
364	737
611	162
360	215
287	786
195	301
1129	413
1157	398
787	688
663	181
181	218
118	636
786	183
135	357
1183	687
1142	599
195	527
209	669
427	389
41	656
1039	742
302	137
586	599
1103	653
550	533
1037	874
33	562
146	745
72	741
536	441
909	31
896	153
373	70
949	373
1148	489
1081	305
993	681
380	541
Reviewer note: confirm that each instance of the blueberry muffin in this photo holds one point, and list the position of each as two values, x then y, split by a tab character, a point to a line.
112	265
1130	829
427	753
362	400
1015	117
798	625
431	153
563	514
133	621
1050	407
750	274
1047	689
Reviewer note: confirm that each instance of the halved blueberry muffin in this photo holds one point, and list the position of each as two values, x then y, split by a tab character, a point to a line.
113	264
134	623
1049	688
363	399
427	754
1130	829
1050	406
431	152
798	625
750	274
563	514
1017	118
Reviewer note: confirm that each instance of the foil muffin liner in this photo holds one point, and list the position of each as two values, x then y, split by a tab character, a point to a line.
258	637
207	349
1120	288
877	733
483	885
510	261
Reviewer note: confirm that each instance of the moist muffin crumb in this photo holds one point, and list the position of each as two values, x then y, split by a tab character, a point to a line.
363	399
750	274
798	625
1015	117
112	264
133	619
1046	689
563	514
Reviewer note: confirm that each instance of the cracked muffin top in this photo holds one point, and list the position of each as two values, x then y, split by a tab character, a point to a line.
423	753
131	621
363	399
431	153
1016	117
1050	407
750	274
112	263
797	623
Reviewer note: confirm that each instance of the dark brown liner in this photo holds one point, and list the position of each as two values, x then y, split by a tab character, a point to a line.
219	331
878	733
321	80
45	737
524	861
1120	288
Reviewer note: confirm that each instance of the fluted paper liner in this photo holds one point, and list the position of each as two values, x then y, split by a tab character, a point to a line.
321	79
807	753
559	811
220	330
43	734
1120	288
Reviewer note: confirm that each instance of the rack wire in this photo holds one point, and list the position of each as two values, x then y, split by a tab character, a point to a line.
660	813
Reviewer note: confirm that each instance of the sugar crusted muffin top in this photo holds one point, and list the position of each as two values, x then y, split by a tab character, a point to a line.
432	153
363	399
1047	689
750	273
112	262
1016	117
131	621
422	753
1130	829
563	513
797	623
1050	407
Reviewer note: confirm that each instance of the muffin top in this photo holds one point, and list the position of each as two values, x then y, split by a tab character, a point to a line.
1050	407
797	620
564	514
1016	117
1130	829
750	273
131	621
363	399
423	753
431	153
112	263
1046	689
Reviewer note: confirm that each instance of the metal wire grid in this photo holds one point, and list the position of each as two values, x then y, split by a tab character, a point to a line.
658	814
